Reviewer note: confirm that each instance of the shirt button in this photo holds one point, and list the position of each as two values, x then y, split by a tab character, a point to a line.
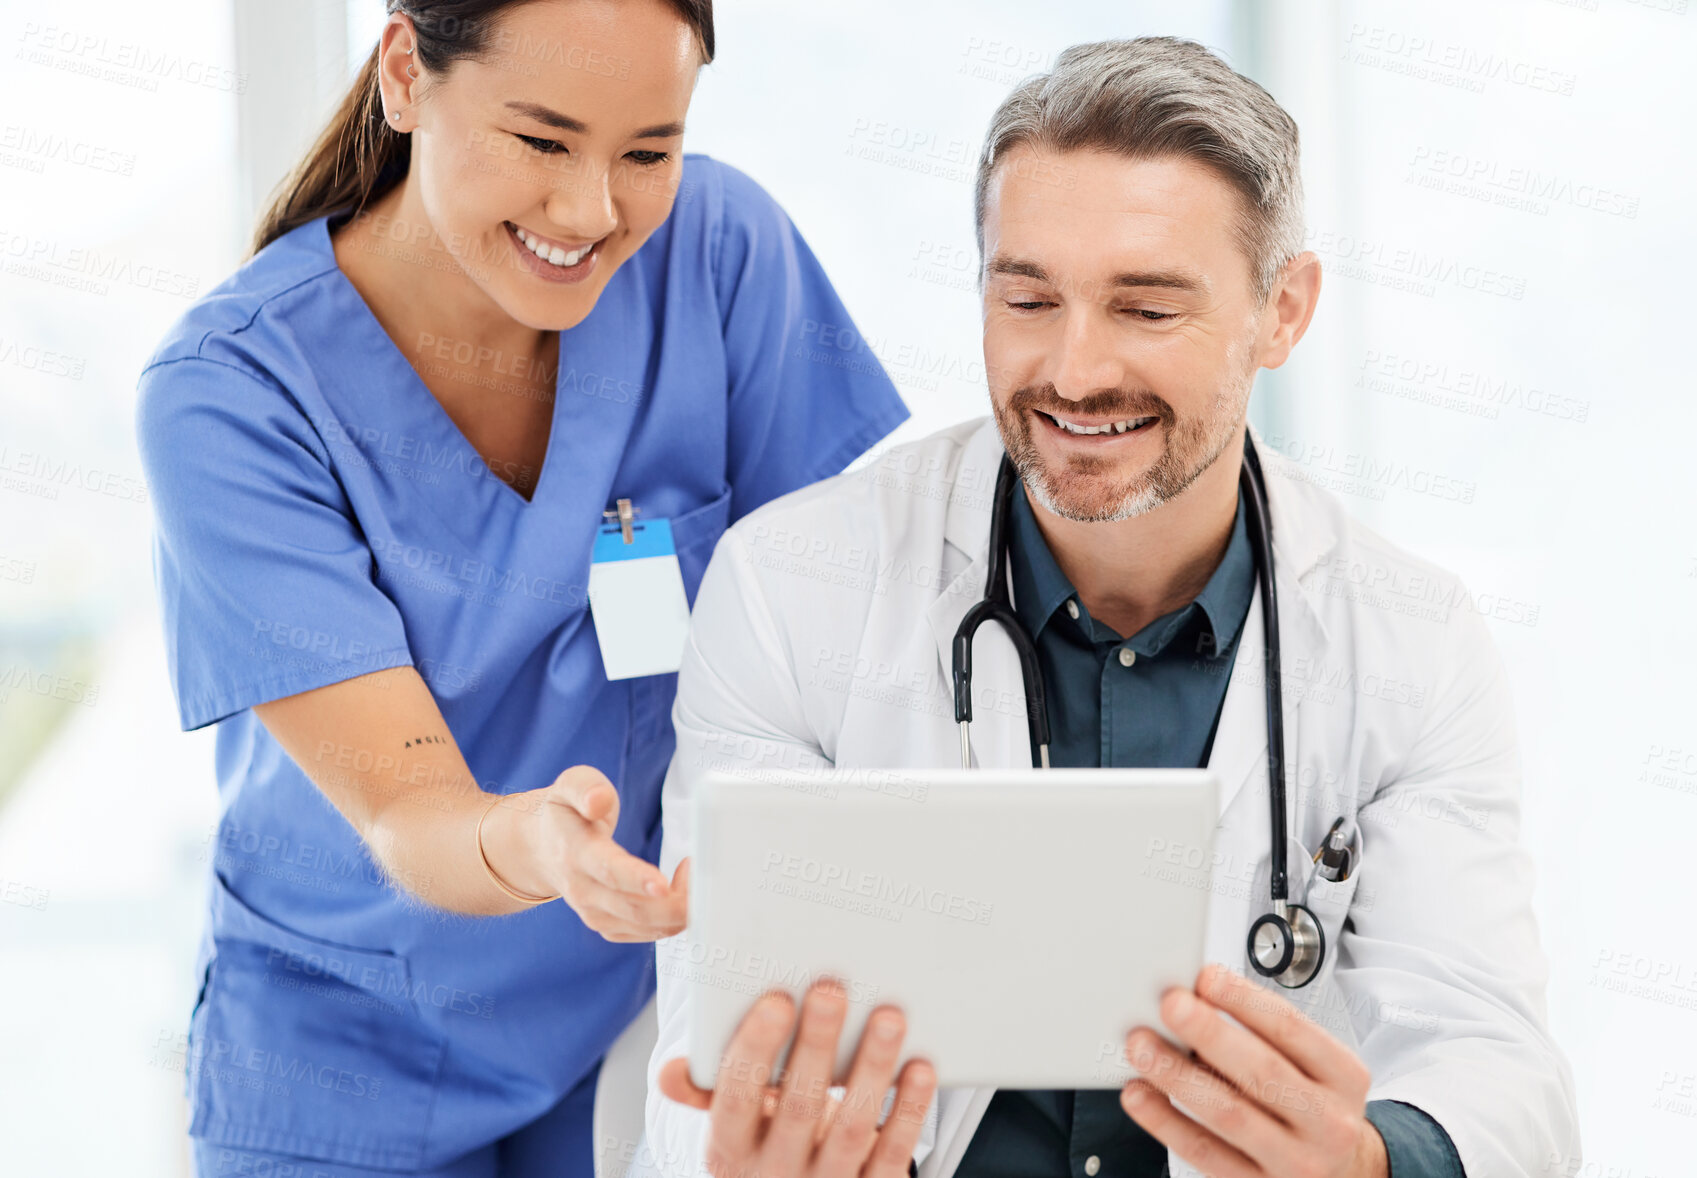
1092	1164
1072	609
1128	656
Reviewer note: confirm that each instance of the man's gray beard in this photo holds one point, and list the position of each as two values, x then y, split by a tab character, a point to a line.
1165	480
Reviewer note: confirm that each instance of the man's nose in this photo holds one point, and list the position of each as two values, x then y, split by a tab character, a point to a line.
1084	360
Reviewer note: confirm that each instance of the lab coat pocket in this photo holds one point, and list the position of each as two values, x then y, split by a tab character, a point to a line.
307	1047
1331	901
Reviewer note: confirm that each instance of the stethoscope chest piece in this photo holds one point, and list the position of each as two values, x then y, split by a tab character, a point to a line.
1287	945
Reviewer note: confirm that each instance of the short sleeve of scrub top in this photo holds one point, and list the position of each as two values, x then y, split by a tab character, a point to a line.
269	587
319	516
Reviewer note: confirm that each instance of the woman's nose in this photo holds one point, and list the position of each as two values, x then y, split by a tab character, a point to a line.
582	205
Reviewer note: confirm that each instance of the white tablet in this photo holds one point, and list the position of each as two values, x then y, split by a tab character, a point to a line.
1024	921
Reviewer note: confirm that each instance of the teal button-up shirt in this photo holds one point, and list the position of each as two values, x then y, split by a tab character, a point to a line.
1149	701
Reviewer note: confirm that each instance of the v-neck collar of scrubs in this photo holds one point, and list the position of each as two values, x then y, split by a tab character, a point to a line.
410	393
383	401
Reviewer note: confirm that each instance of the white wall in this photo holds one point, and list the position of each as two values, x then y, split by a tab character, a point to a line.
1528	167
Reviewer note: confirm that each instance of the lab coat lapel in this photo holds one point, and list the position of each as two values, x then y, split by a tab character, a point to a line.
1240	743
999	734
1240	740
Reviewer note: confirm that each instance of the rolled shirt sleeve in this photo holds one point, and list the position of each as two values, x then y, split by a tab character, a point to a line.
1415	1144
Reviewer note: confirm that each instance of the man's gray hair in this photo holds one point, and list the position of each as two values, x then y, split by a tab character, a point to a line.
1165	96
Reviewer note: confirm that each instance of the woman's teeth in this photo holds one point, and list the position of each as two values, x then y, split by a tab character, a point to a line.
553	255
1112	427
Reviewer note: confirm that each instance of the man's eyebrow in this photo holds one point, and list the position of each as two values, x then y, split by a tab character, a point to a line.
554	118
1183	280
1017	268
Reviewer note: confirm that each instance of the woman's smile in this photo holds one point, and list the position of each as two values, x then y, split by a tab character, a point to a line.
551	259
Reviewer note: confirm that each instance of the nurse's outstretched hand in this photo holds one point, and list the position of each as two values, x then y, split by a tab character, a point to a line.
790	1125
559	841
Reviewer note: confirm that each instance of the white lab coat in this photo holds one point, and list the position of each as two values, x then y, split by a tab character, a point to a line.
821	636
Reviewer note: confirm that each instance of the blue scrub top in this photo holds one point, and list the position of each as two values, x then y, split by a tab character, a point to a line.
319	517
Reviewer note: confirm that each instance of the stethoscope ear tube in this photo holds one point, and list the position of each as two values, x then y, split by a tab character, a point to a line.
997	606
1261	540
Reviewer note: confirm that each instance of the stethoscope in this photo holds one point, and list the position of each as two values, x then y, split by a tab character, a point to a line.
1286	944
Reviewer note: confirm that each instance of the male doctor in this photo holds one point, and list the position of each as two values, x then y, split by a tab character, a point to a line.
1140	222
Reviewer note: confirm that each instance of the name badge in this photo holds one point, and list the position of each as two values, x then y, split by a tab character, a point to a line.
636	596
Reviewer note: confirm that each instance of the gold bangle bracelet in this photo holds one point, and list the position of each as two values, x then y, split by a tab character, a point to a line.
493	878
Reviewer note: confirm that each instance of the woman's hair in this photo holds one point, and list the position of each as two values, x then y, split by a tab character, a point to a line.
359	157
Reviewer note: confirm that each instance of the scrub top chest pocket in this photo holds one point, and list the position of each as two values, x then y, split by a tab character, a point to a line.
636	596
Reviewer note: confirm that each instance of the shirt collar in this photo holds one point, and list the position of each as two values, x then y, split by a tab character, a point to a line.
1040	587
1225	598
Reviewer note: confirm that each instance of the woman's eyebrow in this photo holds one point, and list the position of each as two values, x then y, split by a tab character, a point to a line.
543	114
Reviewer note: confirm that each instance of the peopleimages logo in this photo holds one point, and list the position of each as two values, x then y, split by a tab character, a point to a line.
820	881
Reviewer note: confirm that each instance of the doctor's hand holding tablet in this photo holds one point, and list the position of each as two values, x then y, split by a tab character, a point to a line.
1011	929
1294	1103
767	1122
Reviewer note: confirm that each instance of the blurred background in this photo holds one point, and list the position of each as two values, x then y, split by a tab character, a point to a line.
1500	194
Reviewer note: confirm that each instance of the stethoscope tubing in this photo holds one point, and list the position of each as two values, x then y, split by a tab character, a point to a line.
996	606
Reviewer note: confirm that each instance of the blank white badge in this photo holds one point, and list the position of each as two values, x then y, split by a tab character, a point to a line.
636	596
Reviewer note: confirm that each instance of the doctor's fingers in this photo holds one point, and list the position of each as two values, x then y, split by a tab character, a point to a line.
1290	1032
739	1090
1149	1107
807	1079
853	1128
1212	1101
900	1134
1255	1066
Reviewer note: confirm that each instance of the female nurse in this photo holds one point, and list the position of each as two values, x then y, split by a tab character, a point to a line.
494	304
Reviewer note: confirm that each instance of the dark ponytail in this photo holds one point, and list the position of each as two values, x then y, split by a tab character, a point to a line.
359	157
